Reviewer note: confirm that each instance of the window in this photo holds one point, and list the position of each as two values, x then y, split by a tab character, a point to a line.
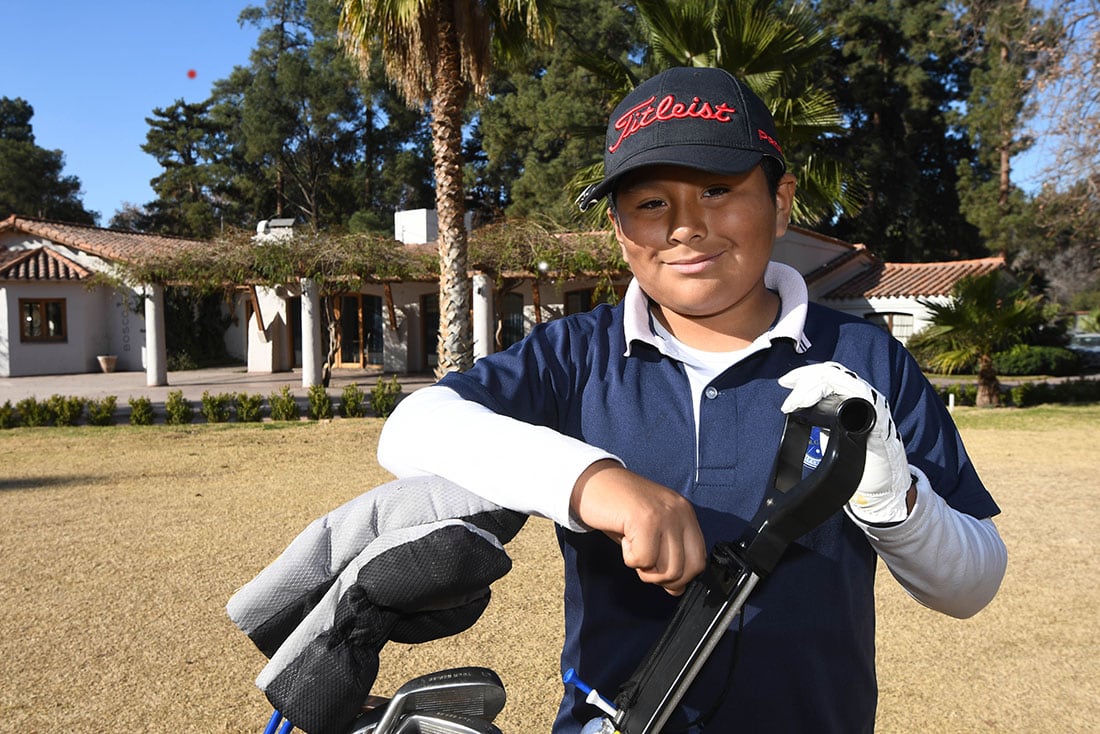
347	315
429	317
511	319
588	299
898	324
42	320
294	326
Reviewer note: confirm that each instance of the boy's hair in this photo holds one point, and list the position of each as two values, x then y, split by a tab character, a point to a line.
773	172
696	117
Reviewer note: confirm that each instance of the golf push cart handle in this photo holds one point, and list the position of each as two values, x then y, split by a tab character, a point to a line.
792	506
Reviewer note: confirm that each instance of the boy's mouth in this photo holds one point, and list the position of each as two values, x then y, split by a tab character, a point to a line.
693	265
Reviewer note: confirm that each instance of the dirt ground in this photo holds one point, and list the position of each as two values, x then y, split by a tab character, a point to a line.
120	547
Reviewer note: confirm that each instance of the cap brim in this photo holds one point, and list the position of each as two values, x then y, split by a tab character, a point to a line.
700	157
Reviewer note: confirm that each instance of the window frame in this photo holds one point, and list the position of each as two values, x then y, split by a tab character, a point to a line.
41	305
899	324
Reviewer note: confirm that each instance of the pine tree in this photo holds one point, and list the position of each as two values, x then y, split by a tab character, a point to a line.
1010	45
183	139
31	179
898	74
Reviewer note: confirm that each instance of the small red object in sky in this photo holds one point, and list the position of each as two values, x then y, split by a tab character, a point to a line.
191	73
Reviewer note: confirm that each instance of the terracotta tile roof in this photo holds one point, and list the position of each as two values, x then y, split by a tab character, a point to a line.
912	279
40	263
110	244
856	252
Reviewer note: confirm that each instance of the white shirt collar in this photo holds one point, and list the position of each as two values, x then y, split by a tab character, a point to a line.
783	279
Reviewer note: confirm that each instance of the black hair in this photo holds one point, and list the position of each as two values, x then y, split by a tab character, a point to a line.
773	171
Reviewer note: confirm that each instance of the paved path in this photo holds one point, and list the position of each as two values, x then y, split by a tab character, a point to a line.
193	383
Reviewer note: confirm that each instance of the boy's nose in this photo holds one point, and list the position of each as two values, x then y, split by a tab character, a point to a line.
685	227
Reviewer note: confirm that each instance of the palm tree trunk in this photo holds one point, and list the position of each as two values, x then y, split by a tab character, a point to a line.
989	388
448	100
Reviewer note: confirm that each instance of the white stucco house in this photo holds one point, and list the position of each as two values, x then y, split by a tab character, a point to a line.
57	318
52	323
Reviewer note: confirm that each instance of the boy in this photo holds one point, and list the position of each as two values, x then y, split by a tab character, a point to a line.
647	432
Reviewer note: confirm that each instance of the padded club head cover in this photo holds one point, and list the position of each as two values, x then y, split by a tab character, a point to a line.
409	561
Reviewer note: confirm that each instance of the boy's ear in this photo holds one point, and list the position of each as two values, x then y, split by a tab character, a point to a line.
784	200
614	223
618	231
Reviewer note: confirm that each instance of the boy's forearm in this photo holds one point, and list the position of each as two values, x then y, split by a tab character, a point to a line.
945	559
514	464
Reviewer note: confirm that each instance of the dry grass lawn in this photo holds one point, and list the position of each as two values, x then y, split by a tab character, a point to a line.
120	547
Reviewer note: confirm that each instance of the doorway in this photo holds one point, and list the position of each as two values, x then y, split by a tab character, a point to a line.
359	330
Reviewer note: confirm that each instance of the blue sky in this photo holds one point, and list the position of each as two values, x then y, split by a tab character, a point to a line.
93	71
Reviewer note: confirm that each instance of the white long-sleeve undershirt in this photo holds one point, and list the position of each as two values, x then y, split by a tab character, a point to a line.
523	467
945	559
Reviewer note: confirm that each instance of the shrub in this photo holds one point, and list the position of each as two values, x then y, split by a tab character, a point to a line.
249	408
181	361
1082	390
283	406
9	417
320	404
178	409
33	413
384	397
216	408
351	401
1029	394
1024	359
964	394
65	411
141	411
102	412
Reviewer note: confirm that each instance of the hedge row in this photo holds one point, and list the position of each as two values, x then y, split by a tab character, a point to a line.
1025	359
60	410
1027	394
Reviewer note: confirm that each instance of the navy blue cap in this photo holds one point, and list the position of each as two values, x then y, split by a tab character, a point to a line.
701	118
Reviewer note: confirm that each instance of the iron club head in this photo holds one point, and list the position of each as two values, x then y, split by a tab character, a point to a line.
468	691
441	723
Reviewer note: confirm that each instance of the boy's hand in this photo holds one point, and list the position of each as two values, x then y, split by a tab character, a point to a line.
883	494
656	527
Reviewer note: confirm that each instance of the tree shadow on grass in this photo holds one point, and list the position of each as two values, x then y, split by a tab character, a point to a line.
12	484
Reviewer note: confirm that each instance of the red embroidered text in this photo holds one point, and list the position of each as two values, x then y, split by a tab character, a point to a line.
645	114
764	136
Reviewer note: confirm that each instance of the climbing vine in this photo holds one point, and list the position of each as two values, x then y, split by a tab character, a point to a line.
342	262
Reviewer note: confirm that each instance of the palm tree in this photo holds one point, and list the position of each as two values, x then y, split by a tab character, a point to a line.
437	53
776	53
986	314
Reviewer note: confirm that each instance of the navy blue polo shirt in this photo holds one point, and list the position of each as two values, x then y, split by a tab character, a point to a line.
805	659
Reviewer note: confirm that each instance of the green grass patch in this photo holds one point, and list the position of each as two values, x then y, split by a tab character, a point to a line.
1039	418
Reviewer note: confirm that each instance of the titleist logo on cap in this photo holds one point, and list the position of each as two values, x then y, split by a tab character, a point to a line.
646	113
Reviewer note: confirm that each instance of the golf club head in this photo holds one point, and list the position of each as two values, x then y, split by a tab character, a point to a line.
440	723
468	691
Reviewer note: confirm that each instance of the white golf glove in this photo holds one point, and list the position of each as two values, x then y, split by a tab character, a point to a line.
881	494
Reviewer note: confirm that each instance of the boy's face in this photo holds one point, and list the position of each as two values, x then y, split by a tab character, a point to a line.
699	242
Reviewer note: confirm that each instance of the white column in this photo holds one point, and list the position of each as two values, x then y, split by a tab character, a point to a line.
156	352
483	316
311	333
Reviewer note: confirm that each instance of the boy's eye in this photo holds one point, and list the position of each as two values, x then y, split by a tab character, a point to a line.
650	203
716	191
